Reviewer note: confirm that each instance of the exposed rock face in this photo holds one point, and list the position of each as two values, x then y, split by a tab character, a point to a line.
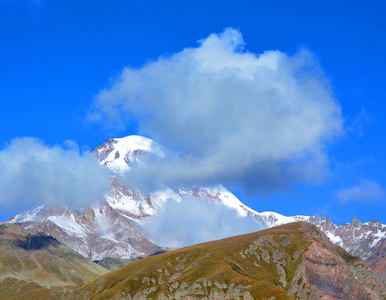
290	261
335	279
376	259
355	222
365	240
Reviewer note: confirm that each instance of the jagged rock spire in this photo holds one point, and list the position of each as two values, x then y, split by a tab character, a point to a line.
355	221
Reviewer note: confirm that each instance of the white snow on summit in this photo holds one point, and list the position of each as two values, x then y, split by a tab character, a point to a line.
121	152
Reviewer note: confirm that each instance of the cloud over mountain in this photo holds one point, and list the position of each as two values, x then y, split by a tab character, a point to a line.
260	121
189	222
32	173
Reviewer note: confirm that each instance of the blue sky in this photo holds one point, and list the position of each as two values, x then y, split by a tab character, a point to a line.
57	56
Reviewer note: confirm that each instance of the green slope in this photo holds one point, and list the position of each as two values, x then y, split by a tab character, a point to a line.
271	263
39	258
13	289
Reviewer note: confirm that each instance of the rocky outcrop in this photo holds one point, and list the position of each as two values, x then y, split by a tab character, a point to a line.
365	240
356	222
336	279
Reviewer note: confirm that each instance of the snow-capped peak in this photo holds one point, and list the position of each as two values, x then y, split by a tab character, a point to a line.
119	154
134	142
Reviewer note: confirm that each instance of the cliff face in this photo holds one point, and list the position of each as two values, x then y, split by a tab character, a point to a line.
293	261
376	259
338	275
365	240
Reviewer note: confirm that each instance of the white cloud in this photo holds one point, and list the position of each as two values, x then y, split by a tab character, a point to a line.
192	221
256	120
365	191
32	173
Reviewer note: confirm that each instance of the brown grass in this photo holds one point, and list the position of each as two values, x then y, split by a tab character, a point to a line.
217	261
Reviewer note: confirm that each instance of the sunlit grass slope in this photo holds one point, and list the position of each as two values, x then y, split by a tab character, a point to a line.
259	265
39	258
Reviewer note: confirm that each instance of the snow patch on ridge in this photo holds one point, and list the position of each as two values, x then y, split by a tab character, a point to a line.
141	205
68	224
28	216
128	204
230	200
377	237
274	219
334	238
218	195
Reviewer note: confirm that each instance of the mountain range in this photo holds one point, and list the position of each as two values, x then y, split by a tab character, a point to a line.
112	226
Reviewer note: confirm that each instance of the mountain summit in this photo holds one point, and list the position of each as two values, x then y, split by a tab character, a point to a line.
119	154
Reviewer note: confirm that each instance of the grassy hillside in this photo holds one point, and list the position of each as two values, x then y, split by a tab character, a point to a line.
13	289
279	262
38	258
